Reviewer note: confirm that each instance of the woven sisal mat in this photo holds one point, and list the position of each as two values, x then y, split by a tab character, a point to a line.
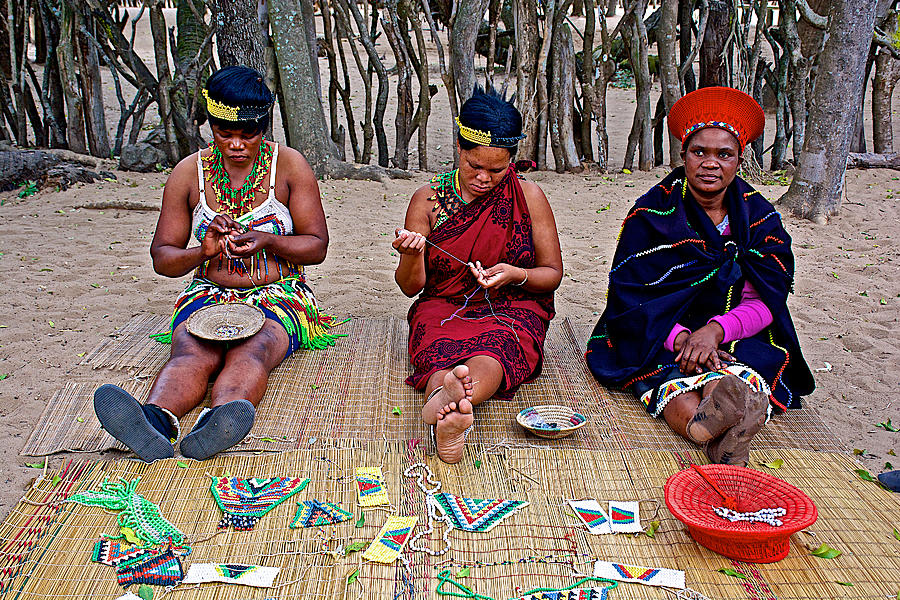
46	544
349	392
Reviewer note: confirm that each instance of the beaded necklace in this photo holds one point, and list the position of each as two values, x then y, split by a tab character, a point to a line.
236	202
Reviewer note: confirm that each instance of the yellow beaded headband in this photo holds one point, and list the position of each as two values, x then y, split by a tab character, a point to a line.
225	112
484	138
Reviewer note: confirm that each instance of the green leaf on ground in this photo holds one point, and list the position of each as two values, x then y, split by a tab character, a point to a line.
859	452
888	466
891	452
182	464
846	583
353	576
145	592
39	465
268	439
651	529
732	573
897	534
865	475
361	521
775	464
603	208
882	302
3	376
56	479
130	535
887	426
464	572
826	551
354	547
477	463
52	324
396	411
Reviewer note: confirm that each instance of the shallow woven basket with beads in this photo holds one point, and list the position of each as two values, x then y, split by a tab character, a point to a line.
691	500
226	322
551	421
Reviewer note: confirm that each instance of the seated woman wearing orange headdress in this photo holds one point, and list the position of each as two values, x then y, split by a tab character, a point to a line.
696	323
486	275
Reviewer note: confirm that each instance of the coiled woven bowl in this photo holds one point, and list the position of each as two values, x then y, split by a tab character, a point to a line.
226	322
691	500
551	421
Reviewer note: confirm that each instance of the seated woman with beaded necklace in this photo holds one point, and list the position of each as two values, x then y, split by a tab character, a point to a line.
253	243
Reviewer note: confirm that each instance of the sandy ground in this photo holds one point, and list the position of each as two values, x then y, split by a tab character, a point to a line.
72	276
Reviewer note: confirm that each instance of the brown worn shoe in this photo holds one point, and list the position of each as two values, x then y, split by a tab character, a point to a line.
733	447
722	409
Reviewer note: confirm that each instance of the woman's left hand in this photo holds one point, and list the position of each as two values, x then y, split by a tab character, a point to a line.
497	276
246	244
700	349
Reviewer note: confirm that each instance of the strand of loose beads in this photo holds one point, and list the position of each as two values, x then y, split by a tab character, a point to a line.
236	201
763	515
435	514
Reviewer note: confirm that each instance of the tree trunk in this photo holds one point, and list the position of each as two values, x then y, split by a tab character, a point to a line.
164	76
91	86
543	96
469	16
527	44
815	192
668	69
886	75
641	135
239	39
306	119
611	8
68	74
562	99
391	26
685	44
52	96
713	52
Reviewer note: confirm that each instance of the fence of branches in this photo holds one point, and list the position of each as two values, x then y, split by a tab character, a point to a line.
558	56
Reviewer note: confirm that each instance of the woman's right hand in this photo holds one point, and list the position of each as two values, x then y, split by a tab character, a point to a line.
217	233
408	242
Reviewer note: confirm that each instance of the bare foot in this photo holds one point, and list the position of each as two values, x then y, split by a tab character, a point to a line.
733	447
454	419
457	385
723	406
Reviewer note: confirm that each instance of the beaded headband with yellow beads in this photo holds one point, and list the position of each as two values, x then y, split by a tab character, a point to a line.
226	112
485	138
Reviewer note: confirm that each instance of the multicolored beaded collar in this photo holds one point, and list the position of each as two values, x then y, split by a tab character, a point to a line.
485	138
720	124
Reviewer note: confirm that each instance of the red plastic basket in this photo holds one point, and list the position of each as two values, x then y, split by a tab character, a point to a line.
691	499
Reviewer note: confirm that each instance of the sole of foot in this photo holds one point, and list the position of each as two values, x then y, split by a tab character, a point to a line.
456	417
459	379
122	416
720	410
733	447
225	426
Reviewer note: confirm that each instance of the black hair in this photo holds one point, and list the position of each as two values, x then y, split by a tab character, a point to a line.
487	110
243	87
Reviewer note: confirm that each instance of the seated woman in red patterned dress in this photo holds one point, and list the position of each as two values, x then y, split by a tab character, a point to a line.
482	248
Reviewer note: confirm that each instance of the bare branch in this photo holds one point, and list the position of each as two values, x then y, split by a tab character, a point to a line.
881	39
810	16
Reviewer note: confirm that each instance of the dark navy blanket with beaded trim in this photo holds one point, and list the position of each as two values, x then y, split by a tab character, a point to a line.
673	266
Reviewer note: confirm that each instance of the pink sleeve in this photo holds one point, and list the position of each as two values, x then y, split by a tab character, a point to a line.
746	319
670	341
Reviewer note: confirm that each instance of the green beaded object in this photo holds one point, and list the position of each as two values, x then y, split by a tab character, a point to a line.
138	514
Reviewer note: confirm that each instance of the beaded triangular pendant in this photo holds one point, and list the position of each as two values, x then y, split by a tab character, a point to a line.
476	514
311	513
244	501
